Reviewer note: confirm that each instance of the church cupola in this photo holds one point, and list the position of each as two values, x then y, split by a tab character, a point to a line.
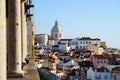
56	31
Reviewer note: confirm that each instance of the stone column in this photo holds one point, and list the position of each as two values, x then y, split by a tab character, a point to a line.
2	39
14	39
29	35
24	32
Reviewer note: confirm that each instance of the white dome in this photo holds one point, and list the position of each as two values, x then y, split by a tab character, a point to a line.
56	28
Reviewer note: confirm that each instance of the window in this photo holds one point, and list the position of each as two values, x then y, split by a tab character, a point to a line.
80	46
114	77
104	61
97	61
89	42
80	42
83	47
75	42
86	42
105	77
83	42
97	76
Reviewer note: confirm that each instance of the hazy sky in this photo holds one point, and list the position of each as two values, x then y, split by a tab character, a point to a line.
78	18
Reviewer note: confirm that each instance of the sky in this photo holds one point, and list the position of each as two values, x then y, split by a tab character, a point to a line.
80	18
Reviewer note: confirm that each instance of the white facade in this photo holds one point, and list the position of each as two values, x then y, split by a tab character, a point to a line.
74	41
73	46
71	62
84	42
116	73
64	47
110	67
90	74
98	75
53	42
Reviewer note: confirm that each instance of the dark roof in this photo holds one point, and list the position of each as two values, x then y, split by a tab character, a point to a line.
65	39
85	38
56	46
116	69
88	38
85	64
47	75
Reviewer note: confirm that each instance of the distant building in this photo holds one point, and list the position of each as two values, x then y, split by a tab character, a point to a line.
99	60
56	36
83	42
116	73
97	49
85	65
57	43
63	47
56	31
98	74
42	39
50	63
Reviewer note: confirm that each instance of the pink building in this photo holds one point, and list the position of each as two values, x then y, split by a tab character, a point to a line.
99	60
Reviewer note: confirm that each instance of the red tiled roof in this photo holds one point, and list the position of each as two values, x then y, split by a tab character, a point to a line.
111	60
88	38
101	69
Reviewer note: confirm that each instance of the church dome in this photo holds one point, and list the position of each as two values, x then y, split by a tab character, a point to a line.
56	28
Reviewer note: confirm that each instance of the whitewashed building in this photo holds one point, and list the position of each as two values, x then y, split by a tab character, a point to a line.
84	42
64	47
98	74
116	73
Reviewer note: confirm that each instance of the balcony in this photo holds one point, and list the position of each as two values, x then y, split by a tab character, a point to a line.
30	71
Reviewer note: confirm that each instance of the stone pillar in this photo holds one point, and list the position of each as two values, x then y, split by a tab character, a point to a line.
29	35
2	39
24	32
14	39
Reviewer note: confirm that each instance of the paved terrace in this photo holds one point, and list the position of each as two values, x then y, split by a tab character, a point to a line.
30	71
